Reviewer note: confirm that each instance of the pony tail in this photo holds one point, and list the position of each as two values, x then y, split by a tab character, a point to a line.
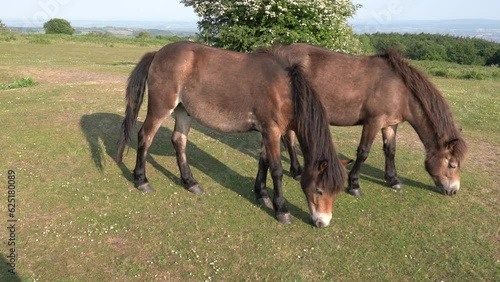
135	94
313	132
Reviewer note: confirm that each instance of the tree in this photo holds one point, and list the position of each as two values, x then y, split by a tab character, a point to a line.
3	27
463	52
58	26
144	34
426	50
495	59
249	24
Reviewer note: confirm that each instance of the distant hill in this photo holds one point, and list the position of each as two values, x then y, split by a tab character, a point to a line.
118	28
477	28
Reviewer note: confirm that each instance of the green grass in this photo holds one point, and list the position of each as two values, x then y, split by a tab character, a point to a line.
456	71
82	220
18	83
89	38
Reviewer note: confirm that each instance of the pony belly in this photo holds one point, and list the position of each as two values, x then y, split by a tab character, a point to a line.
228	122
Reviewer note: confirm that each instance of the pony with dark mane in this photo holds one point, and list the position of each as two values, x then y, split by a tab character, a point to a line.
235	92
379	92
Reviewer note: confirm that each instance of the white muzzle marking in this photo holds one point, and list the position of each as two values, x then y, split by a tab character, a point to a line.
321	219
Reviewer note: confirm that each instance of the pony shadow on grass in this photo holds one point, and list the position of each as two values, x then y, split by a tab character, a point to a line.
250	145
6	268
376	176
104	128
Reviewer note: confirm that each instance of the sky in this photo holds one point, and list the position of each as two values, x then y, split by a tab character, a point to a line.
36	12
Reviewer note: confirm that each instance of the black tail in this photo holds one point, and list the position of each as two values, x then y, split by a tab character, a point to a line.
313	132
135	94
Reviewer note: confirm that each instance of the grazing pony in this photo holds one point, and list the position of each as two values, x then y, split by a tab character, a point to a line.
379	92
235	92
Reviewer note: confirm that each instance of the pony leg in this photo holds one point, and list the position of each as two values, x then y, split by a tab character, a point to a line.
260	181
389	138
145	138
271	139
367	137
179	140
289	141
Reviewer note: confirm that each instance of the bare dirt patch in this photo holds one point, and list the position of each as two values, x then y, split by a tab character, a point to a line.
69	76
485	156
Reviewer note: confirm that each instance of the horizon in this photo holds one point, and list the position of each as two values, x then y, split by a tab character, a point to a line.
33	13
85	23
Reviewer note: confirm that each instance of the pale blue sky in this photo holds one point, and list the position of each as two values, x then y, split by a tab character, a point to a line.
38	11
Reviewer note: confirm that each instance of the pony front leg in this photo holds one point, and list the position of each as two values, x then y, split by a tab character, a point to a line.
271	139
367	137
179	140
289	141
389	139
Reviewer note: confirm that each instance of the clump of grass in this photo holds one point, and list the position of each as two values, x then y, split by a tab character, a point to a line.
439	72
18	83
40	40
474	74
456	71
7	36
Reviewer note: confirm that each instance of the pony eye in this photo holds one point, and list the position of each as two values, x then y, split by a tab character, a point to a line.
319	191
452	165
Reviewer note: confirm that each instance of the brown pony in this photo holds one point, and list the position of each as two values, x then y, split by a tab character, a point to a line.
235	92
379	92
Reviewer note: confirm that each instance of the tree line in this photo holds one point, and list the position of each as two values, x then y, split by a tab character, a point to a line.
435	47
247	25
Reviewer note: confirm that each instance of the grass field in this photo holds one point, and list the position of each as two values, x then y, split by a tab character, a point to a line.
80	219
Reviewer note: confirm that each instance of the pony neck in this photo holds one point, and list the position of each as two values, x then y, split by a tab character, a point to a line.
430	136
426	133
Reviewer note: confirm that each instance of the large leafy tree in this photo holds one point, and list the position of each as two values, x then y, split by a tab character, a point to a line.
248	24
58	26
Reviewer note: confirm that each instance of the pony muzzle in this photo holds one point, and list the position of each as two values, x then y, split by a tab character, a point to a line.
451	189
321	219
446	186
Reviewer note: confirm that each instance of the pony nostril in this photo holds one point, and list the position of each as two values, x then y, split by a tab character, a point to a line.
320	224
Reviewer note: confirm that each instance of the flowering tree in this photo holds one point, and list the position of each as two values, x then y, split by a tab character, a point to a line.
248	24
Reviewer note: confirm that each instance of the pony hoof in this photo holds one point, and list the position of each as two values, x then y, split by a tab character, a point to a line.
146	188
355	192
265	202
196	189
284	218
296	173
397	187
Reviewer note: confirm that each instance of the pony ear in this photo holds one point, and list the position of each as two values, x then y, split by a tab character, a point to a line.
322	166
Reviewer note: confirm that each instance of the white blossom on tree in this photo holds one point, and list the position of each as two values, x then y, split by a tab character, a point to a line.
246	25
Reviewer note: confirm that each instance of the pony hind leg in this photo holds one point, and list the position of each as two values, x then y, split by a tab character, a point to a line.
145	137
179	140
389	140
365	144
260	181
